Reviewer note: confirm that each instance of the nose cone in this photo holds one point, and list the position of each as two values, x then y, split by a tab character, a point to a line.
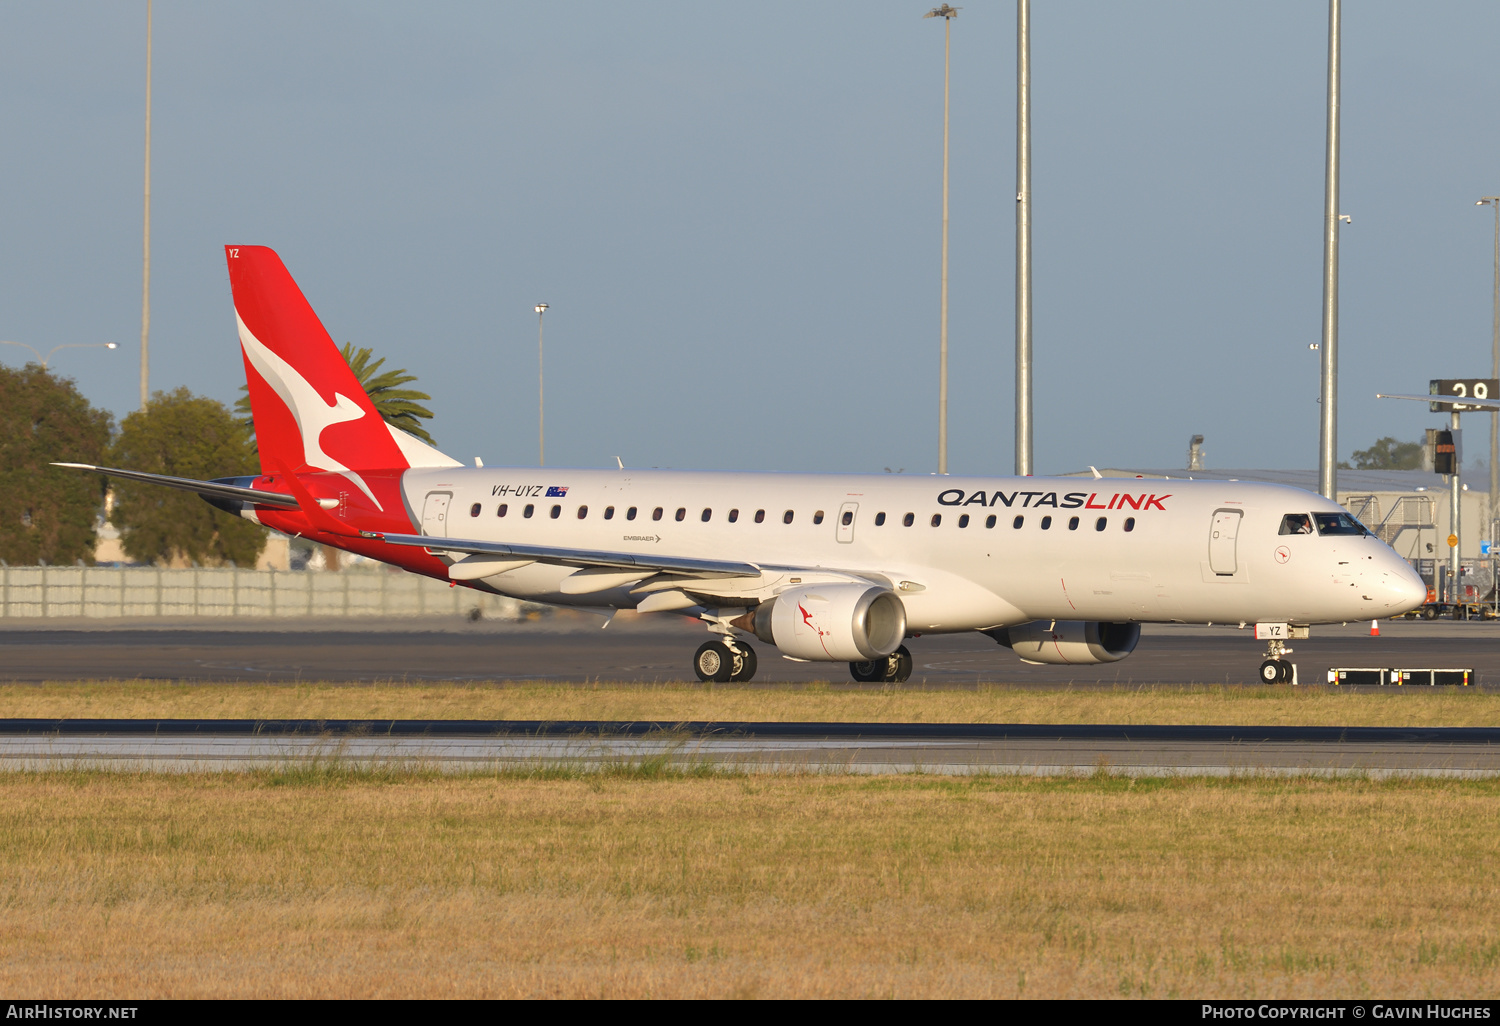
1400	586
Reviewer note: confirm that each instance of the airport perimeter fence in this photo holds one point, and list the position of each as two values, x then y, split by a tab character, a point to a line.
114	593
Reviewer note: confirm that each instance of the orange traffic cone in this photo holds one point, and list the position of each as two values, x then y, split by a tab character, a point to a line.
1374	628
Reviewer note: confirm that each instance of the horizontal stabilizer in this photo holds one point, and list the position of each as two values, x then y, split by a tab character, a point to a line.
215	489
575	557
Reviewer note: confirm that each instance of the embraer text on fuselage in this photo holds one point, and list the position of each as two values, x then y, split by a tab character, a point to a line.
1069	500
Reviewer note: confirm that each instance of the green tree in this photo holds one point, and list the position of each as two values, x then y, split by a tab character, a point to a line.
183	435
398	406
1389	454
48	513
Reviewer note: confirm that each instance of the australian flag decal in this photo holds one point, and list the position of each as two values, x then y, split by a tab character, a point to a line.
557	492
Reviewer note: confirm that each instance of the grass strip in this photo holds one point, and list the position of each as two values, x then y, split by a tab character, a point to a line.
332	882
589	700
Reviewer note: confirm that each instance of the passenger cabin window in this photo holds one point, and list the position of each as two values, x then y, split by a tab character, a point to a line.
937	518
734	516
760	516
787	518
1046	523
707	513
818	517
989	521
1129	524
909	519
847	518
681	513
583	511
963	521
879	519
504	509
474	510
1072	523
630	513
1016	523
1296	523
556	512
656	513
609	512
530	509
1338	523
1101	523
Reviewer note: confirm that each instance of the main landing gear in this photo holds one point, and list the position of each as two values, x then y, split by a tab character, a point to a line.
892	669
724	661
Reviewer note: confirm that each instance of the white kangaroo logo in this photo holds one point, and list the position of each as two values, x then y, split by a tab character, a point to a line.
309	409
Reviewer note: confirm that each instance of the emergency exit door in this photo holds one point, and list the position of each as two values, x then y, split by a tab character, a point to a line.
1222	542
846	521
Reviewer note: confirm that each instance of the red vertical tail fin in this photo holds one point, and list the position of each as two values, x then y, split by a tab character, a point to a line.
311	413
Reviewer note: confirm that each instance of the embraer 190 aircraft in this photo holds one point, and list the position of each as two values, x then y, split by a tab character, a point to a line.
834	568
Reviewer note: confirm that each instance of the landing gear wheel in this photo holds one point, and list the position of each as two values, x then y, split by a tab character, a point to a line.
869	672
1271	671
744	663
1287	671
898	666
714	662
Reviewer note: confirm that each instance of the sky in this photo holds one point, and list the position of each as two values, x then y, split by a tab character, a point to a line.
733	211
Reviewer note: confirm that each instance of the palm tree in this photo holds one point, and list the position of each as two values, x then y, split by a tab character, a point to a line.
398	406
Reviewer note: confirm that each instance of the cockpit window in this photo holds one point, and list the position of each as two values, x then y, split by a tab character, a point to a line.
1338	523
1296	523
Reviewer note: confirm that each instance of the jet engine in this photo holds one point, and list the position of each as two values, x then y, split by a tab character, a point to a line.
833	622
1069	642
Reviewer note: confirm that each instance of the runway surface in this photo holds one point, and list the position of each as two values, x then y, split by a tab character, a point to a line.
860	748
572	647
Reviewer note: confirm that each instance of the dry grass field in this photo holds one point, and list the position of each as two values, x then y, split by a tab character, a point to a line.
989	703
318	882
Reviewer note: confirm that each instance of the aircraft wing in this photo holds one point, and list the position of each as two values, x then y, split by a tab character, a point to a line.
215	489
1463	401
574	557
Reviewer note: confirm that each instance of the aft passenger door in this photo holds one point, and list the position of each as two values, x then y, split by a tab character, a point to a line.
435	514
1222	540
847	514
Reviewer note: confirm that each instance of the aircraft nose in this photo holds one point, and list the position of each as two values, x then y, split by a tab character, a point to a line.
1403	588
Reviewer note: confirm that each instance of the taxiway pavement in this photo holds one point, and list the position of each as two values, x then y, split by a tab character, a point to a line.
859	748
572	647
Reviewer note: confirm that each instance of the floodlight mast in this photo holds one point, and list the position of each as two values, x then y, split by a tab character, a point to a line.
541	394
1494	203
947	13
1024	448
1328	392
146	235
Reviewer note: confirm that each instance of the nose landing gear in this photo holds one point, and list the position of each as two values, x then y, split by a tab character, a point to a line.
1277	670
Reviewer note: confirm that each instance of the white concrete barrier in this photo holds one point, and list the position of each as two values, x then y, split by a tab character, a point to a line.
112	592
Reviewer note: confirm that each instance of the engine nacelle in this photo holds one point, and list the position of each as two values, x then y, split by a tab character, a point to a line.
832	622
1069	642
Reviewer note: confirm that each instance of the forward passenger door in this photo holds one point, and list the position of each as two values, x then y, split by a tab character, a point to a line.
1223	542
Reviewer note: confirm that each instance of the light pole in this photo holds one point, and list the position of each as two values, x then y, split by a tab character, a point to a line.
1024	448
146	235
44	360
1328	391
947	13
1494	202
541	395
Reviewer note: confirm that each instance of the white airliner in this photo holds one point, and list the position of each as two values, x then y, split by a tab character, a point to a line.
834	568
